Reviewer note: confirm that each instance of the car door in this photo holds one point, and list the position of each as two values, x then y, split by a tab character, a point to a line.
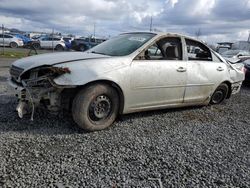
158	75
50	42
205	72
43	42
7	39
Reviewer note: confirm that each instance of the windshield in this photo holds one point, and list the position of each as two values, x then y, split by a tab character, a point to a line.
123	44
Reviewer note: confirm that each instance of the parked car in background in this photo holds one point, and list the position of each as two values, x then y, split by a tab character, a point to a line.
129	73
25	39
83	44
241	54
49	42
223	46
247	70
68	41
10	40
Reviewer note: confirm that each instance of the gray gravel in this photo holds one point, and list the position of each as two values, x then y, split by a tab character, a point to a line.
188	147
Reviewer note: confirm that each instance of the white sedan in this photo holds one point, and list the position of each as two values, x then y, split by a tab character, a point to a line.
128	73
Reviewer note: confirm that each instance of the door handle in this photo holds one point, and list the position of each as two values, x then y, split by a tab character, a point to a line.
220	69
181	69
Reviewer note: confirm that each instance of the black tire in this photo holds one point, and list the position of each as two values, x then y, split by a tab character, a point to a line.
13	45
36	45
82	48
59	47
95	107
219	94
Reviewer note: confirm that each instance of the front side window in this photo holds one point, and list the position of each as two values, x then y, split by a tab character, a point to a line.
122	45
7	36
168	48
197	51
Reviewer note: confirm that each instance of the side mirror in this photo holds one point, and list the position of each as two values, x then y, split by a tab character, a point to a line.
239	55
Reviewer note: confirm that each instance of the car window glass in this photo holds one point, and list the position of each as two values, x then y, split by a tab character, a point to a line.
123	44
168	48
7	36
56	39
197	51
153	52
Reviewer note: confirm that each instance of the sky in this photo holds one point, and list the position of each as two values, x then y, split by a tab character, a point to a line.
213	20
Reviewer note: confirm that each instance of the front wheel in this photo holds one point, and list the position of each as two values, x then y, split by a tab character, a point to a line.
82	48
219	94
95	107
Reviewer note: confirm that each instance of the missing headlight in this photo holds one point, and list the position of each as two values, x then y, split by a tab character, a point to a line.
43	76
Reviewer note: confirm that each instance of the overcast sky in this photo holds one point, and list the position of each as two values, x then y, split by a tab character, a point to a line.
217	20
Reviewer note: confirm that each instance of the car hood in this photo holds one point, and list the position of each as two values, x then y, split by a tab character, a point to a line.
55	58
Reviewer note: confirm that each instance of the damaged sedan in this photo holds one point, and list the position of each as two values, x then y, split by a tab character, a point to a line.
129	73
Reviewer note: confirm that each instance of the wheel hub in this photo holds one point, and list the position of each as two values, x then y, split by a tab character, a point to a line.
218	96
100	108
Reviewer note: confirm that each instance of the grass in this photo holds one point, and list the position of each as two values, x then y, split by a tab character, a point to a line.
13	54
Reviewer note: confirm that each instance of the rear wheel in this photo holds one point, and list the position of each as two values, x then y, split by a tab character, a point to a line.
13	45
219	94
59	48
95	107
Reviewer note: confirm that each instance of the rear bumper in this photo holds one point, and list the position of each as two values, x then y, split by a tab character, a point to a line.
235	87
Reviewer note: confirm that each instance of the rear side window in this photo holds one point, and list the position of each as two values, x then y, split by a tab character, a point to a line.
197	51
56	39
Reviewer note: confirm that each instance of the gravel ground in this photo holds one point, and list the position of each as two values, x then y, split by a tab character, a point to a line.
188	147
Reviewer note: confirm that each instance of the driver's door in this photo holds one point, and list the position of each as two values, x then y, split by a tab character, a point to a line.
157	80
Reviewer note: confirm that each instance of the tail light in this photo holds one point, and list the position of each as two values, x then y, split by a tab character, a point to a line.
244	70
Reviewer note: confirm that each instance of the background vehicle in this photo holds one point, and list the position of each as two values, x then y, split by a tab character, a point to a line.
223	46
235	53
68	41
49	42
247	70
25	39
83	44
10	40
128	73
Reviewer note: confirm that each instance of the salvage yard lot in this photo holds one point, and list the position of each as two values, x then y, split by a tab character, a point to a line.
187	147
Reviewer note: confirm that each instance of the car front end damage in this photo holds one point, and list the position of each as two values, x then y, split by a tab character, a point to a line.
35	87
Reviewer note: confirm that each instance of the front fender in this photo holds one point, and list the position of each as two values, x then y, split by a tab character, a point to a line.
76	78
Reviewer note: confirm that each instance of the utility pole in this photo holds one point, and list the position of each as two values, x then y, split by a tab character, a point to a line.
151	22
94	31
248	36
53	40
3	37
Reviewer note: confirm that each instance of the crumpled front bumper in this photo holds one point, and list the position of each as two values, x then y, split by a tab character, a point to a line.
29	98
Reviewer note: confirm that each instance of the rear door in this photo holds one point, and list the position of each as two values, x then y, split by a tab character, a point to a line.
205	72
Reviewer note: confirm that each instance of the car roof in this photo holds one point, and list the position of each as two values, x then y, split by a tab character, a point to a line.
164	34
